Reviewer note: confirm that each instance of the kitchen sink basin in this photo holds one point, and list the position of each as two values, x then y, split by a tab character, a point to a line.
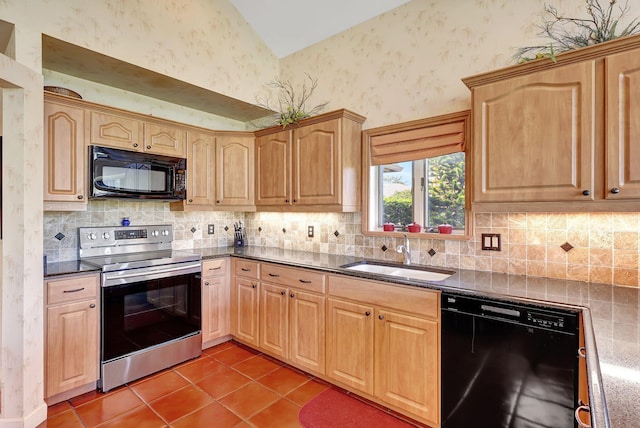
398	270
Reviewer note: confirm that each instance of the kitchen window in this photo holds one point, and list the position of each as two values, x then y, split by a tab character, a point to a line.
416	172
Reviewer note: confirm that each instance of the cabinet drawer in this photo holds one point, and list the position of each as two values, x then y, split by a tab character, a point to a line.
299	278
214	267
71	289
414	300
247	269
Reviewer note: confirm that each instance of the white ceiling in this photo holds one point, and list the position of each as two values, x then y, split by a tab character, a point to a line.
288	26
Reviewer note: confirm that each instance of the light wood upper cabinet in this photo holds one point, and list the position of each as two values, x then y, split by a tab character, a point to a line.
201	155
164	139
65	156
546	133
623	125
114	130
215	299
71	342
314	166
273	169
235	170
533	137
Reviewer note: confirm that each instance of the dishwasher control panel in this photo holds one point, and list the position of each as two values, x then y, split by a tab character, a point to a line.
546	320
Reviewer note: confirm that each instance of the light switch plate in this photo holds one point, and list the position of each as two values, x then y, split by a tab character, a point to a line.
491	242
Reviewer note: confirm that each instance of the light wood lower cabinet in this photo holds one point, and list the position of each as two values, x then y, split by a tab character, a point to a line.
71	343
384	340
244	301
215	299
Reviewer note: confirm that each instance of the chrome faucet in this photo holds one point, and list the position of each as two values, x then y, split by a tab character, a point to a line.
404	249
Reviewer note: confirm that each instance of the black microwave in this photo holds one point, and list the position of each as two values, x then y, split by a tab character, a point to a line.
123	174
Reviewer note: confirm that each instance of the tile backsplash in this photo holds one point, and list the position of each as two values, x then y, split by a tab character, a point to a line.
603	247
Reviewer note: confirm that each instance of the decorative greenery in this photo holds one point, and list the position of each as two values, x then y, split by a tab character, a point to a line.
291	103
568	33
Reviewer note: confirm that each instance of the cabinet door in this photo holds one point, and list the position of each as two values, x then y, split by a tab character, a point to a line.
215	307
306	330
316	167
72	346
164	139
533	137
274	319
234	171
623	125
350	344
273	169
64	154
245	322
407	363
200	169
113	130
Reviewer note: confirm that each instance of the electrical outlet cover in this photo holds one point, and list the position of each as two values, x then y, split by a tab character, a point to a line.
310	231
211	229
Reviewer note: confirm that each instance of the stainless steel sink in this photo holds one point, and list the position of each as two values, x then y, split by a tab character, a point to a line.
399	270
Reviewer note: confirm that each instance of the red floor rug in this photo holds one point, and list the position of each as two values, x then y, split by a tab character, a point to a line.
334	409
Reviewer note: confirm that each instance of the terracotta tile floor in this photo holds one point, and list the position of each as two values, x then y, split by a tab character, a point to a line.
228	386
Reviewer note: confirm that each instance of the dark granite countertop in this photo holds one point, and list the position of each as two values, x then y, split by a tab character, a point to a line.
614	313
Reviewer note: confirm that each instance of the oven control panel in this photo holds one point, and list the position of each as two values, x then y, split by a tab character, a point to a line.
100	237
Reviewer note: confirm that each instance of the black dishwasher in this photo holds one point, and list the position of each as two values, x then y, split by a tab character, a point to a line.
507	364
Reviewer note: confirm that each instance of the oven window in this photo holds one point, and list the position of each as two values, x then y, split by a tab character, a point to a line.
144	314
135	177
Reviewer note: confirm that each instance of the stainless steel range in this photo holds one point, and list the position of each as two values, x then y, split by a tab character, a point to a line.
150	300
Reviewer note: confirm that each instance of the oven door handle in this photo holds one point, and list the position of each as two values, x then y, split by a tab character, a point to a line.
137	275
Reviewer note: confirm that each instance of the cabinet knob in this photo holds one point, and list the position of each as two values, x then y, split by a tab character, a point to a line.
586	192
282	293
368	313
381	317
93	305
206	283
218	201
135	144
148	147
254	286
190	200
80	197
295	200
615	190
292	295
286	200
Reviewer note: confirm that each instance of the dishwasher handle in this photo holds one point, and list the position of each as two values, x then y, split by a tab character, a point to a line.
497	310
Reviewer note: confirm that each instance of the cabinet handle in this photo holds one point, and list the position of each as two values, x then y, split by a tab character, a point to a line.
292	295
304	281
75	290
367	313
206	283
583	408
274	275
615	190
245	269
582	352
586	192
282	293
380	317
216	268
135	144
148	147
93	305
80	197
254	286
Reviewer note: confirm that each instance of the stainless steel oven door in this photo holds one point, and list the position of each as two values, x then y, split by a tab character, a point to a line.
151	319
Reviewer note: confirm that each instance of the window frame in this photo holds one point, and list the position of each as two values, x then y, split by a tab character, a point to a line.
370	199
